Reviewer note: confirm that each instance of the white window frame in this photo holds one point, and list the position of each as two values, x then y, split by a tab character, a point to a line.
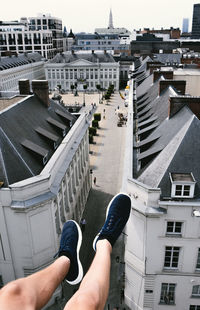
173	250
167	290
174	228
198	260
182	185
196	294
194	307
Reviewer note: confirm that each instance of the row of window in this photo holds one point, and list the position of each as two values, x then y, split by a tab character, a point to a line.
91	85
82	74
167	295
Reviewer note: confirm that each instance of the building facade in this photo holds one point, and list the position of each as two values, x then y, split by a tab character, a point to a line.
162	178
48	184
24	66
89	68
41	34
196	21
185	27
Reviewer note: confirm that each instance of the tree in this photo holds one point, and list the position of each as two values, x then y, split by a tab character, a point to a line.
91	139
97	116
84	87
98	87
72	88
95	123
92	131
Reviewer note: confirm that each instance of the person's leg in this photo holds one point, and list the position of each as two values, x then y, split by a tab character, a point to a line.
94	288
93	291
36	290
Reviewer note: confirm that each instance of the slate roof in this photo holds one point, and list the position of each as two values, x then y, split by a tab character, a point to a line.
163	145
97	56
28	139
179	152
95	36
168	58
7	62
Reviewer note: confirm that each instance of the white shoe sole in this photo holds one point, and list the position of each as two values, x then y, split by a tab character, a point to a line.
80	268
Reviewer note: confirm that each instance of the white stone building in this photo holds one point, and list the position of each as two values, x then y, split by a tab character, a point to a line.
41	34
45	180
82	67
26	66
162	254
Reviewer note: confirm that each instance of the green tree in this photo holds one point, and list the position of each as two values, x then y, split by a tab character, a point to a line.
97	116
92	131
91	139
95	123
72	88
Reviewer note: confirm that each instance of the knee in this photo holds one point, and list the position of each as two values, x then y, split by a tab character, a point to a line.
15	292
12	289
89	301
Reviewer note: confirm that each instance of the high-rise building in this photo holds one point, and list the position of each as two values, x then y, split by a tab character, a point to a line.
185	25
41	34
196	21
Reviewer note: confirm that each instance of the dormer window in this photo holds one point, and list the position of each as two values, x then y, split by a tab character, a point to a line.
183	185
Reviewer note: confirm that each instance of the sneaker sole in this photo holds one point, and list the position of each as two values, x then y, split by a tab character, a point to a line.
107	211
80	268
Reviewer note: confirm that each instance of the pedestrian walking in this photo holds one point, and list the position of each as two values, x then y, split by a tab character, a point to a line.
95	180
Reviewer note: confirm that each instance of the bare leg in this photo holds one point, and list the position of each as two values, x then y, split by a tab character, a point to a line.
36	290
93	291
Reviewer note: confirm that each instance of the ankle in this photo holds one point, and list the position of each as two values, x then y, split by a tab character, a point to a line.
104	243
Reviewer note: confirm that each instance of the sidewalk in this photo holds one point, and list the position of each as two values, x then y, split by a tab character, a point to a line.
107	163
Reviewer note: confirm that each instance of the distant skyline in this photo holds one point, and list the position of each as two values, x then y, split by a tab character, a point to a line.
87	15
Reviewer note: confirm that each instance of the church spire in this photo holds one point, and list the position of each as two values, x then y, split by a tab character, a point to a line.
110	26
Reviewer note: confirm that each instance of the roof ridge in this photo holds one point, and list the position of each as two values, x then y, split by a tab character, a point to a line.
158	165
16	151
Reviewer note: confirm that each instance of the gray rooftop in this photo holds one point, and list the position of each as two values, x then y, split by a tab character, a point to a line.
91	56
165	146
29	134
8	62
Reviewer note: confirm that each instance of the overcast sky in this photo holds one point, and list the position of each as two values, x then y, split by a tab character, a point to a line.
86	15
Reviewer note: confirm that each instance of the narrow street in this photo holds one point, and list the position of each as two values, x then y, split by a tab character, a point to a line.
106	162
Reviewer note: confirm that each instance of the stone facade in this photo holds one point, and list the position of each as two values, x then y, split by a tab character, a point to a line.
33	211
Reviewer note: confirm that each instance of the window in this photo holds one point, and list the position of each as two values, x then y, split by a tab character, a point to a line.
174	228
194	307
171	257
183	185
167	295
196	291
182	190
198	260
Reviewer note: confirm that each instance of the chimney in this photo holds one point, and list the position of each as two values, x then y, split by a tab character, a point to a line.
24	87
167	74
178	85
176	103
41	90
153	66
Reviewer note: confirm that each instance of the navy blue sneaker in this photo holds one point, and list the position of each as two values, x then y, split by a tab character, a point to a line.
70	244
117	215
